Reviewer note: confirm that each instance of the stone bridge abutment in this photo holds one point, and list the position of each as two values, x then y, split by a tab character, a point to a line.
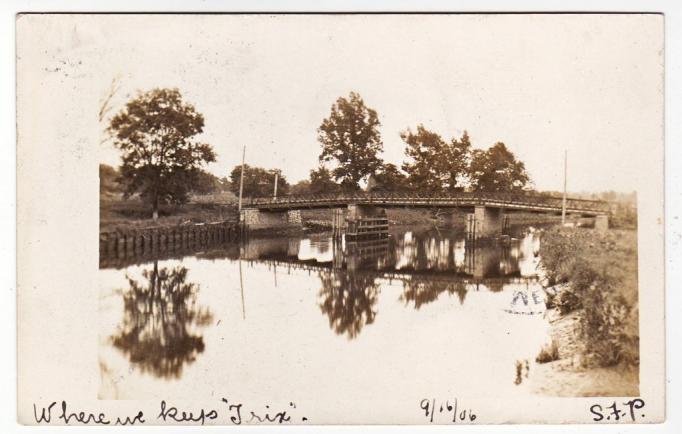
256	219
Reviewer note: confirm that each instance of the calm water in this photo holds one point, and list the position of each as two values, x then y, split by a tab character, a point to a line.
421	312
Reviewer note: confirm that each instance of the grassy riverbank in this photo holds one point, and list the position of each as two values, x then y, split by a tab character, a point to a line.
117	213
593	311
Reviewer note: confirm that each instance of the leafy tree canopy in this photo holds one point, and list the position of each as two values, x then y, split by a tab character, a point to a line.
161	159
388	178
434	164
108	180
350	138
497	169
459	159
206	183
321	181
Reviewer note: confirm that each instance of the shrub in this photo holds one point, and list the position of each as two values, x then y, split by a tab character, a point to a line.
600	270
548	353
566	301
602	323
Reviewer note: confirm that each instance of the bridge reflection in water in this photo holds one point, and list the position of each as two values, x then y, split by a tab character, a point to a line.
421	300
406	256
426	263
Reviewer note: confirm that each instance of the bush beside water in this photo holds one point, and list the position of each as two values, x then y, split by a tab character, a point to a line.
600	273
548	353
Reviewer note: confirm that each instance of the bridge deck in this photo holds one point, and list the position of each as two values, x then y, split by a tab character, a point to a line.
507	201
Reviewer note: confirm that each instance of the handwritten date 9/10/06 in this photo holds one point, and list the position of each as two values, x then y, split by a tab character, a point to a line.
445	411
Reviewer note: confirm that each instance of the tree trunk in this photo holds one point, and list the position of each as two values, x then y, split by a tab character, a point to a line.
155	211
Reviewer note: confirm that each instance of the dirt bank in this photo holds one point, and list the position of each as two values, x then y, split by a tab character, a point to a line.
568	376
561	379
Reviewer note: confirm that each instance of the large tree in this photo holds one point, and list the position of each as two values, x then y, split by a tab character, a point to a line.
350	138
497	169
425	151
434	164
258	182
161	158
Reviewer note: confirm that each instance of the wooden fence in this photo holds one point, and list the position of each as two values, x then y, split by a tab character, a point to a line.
162	241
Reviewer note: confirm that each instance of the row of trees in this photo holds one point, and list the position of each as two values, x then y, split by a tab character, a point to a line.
163	162
351	144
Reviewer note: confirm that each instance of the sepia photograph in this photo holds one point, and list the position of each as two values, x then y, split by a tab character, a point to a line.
348	218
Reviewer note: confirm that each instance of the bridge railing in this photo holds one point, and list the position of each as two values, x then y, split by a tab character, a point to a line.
502	198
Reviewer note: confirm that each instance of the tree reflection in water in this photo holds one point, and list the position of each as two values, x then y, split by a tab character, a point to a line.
159	317
350	291
424	292
348	299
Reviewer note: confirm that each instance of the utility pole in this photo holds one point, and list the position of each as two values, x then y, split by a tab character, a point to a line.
276	178
241	179
563	204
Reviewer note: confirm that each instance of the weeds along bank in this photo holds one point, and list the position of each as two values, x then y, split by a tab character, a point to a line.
592	293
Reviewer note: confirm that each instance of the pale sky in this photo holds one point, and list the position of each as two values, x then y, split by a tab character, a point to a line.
540	83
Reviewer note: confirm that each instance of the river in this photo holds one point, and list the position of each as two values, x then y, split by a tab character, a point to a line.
423	311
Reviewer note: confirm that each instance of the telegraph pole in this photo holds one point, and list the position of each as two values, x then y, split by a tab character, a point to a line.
563	204
276	178
241	179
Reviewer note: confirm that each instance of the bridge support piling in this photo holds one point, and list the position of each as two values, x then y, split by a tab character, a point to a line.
339	221
601	223
366	221
337	256
488	221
